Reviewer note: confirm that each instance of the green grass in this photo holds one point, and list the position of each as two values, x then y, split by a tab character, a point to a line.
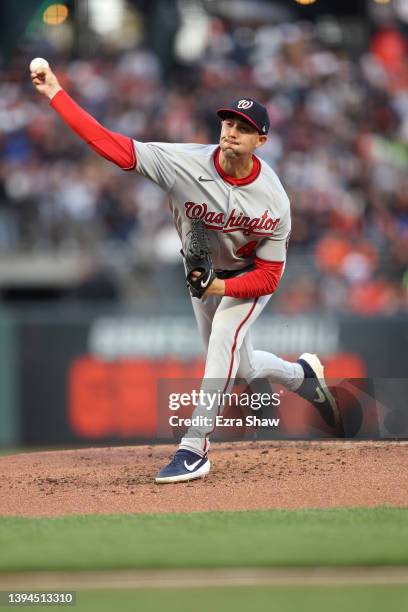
11	450
235	599
242	599
359	536
18	450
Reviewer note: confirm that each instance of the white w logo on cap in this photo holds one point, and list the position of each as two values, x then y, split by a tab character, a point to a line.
245	104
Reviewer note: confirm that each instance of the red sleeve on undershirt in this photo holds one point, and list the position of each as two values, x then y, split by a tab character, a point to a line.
261	281
110	145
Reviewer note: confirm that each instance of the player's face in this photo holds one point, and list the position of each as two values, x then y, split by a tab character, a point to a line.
239	138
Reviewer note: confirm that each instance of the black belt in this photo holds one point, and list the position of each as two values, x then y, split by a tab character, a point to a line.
223	274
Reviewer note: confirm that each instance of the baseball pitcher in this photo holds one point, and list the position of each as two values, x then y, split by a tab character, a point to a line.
233	218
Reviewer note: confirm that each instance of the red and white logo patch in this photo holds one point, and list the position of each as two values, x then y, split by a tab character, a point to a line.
245	104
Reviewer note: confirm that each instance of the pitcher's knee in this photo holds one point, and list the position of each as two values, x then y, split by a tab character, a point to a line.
246	373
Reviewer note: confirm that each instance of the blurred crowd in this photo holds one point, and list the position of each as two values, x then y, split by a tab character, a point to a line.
338	141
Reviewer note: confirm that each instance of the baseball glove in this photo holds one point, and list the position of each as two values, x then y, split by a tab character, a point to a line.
197	257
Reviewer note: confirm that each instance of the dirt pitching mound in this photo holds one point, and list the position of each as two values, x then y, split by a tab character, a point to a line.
244	476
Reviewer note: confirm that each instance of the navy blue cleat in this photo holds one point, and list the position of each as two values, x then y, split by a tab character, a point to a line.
185	465
315	390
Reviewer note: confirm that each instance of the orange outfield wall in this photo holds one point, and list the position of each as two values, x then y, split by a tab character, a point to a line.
119	398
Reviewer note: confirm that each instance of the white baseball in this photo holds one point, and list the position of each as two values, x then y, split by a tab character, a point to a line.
38	63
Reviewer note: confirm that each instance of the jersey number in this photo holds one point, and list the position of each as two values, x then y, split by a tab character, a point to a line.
247	250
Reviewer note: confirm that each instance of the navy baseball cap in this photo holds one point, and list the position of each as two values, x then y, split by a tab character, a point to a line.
250	110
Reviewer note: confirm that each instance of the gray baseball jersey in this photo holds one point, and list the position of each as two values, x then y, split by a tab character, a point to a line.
243	221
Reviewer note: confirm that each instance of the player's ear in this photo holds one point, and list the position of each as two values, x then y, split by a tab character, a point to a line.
261	140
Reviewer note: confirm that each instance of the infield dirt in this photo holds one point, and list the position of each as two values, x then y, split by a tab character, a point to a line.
244	476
